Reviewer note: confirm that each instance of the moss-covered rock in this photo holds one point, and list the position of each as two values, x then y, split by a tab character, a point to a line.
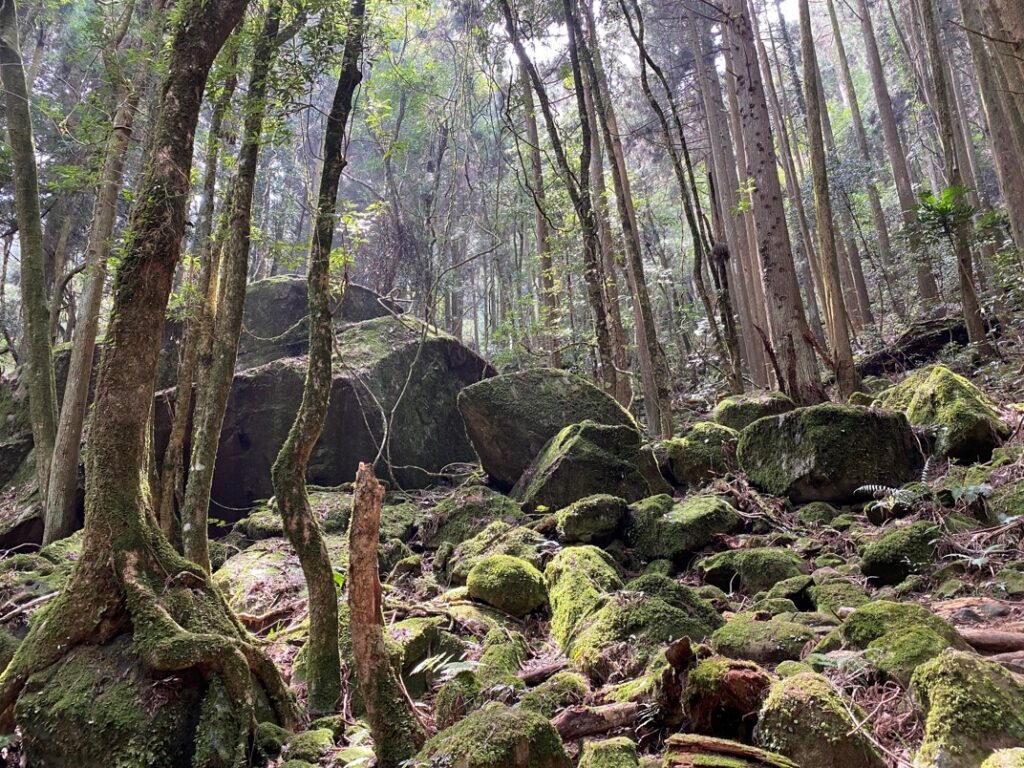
269	740
511	417
591	520
750	570
805	719
701	455
968	426
618	752
508	583
498	538
504	652
561	690
972	707
825	452
497	736
100	705
1005	758
660	528
464	513
456	698
579	581
415	639
585	459
310	745
900	552
817	513
897	637
722	697
677	595
765	642
833	594
739	411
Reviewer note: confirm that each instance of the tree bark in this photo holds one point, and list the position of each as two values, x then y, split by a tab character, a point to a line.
847	380
397	733
323	663
128	579
38	355
790	335
212	400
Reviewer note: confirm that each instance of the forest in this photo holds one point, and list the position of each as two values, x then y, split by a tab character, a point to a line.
512	383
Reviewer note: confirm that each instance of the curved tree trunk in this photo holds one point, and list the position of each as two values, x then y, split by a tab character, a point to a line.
129	580
38	354
323	664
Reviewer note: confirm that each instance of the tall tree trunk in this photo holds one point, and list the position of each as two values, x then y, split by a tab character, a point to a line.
650	354
212	399
549	296
38	354
847	380
323	663
928	289
63	482
198	336
128	579
947	133
791	338
397	733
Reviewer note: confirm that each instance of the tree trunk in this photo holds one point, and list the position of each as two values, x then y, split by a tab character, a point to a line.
128	579
38	354
847	380
198	334
323	664
947	133
212	400
60	498
791	338
927	288
397	733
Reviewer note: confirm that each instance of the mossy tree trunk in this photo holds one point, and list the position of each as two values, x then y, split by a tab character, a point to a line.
323	662
129	580
212	399
38	353
60	497
397	733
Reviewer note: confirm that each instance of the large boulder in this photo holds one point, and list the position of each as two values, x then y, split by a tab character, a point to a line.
967	424
751	569
701	455
661	527
739	411
585	459
392	377
275	321
511	417
826	452
900	552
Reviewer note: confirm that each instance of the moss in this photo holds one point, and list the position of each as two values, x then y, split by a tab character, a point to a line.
660	567
310	745
737	411
683	750
805	719
336	724
826	452
464	513
561	690
774	606
629	631
794	588
660	527
618	752
507	583
766	642
899	553
497	736
817	513
897	637
498	538
456	697
750	570
1009	583
1005	758
579	580
417	639
503	655
677	595
973	707
268	740
831	595
592	520
586	459
702	454
792	668
968	425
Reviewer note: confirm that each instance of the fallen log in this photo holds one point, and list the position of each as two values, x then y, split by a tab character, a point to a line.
919	344
688	750
535	675
990	641
579	722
